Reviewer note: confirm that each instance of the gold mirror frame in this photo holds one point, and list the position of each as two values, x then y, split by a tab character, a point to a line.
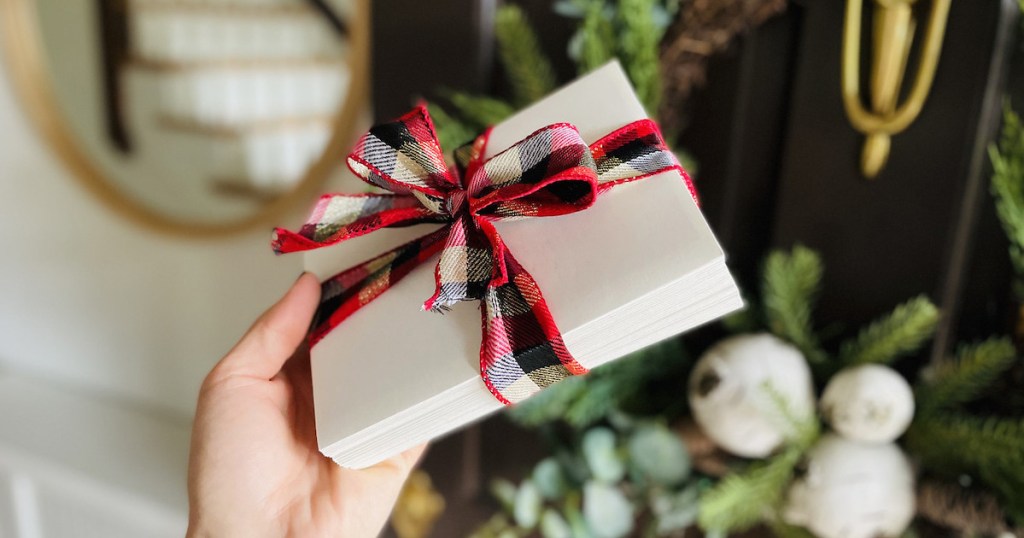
26	62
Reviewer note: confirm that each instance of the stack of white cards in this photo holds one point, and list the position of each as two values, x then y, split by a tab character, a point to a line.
639	266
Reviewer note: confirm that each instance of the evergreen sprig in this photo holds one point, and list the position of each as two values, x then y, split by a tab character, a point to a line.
744	499
451	131
581	401
956	382
791	284
991	449
639	36
593	44
527	69
480	111
1008	189
900	332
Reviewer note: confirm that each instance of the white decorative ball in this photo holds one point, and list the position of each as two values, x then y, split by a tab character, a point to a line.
852	490
870	403
731	391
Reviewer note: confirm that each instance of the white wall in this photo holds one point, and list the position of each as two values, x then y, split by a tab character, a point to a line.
91	298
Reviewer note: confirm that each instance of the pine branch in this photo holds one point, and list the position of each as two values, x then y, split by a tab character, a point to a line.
743	499
451	132
592	45
791	283
1008	187
901	332
804	431
582	401
991	449
948	439
480	111
639	36
528	70
550	404
957	382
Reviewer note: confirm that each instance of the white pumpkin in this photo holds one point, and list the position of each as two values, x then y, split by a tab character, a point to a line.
869	403
852	490
731	390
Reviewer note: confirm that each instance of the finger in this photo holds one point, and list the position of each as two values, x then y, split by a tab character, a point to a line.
397	468
275	336
382	482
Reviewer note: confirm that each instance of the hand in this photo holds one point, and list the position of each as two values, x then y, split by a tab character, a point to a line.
254	468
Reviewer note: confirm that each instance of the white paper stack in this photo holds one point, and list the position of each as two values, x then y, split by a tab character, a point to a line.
639	266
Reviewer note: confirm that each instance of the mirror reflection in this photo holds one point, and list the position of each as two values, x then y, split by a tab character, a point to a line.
202	111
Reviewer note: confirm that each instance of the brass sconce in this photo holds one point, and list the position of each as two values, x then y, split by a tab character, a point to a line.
892	37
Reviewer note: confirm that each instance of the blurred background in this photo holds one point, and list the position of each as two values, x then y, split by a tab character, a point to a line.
860	162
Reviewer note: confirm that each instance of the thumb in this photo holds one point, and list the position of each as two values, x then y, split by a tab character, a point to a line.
275	336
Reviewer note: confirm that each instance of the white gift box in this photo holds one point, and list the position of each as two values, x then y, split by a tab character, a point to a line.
639	266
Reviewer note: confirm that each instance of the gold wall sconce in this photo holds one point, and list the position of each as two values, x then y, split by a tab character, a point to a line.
893	29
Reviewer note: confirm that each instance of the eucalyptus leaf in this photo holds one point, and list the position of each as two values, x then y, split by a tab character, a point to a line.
528	504
549	479
607	511
505	492
571	510
569	8
574	467
553	525
575	46
659	455
675	511
660	16
601	455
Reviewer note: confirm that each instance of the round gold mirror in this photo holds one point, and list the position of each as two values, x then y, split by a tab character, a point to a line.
193	116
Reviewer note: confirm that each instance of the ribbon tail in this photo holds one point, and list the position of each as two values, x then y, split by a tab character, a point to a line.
522	351
348	291
339	217
465	266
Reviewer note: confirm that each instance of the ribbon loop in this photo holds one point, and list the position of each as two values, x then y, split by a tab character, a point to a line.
404	157
550	172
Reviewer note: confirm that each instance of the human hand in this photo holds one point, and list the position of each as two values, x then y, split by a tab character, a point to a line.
254	467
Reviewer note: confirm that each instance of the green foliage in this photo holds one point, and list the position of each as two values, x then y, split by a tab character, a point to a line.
451	132
744	499
639	37
991	449
953	383
592	44
582	401
630	30
754	495
790	289
630	478
658	456
1008	188
948	441
902	331
527	68
480	110
804	430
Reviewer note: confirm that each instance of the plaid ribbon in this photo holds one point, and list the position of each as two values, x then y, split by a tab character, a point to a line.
550	172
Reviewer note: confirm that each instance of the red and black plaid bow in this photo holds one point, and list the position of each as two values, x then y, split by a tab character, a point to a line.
551	172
